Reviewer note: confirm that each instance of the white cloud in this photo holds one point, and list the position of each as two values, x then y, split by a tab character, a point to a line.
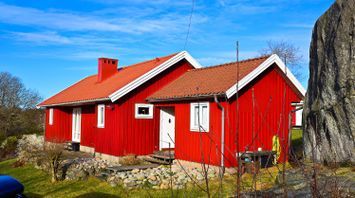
42	38
91	55
69	21
54	19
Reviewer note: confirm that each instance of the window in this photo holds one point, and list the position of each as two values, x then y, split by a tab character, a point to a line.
200	117
50	116
101	116
144	111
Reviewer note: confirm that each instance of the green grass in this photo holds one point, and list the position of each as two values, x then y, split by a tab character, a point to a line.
297	135
37	184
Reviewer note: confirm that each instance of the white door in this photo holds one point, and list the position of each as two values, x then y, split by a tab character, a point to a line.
167	128
76	127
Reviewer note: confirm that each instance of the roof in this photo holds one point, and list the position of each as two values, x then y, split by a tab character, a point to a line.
90	90
219	79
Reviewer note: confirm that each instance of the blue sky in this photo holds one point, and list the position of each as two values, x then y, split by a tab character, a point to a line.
52	44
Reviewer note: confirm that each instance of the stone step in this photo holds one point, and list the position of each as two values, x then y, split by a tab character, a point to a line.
131	167
113	169
164	156
102	176
157	161
68	146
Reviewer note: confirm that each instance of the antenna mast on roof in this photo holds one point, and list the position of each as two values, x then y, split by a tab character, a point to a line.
237	122
189	26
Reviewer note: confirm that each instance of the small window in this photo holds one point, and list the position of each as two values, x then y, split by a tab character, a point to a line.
101	116
50	116
200	117
144	111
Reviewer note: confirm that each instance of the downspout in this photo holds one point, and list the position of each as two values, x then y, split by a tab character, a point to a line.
222	132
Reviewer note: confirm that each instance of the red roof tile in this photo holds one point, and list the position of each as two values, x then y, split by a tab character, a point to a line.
89	89
207	81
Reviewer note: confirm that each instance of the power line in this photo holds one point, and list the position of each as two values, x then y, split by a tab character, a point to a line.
188	29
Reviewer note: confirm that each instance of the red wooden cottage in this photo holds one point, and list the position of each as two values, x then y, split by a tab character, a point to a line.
170	102
107	113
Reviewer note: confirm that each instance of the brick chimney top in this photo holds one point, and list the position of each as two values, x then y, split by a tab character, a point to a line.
106	68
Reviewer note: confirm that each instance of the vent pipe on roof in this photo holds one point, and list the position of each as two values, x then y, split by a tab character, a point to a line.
106	68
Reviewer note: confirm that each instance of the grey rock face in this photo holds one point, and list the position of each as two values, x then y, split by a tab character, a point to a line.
329	111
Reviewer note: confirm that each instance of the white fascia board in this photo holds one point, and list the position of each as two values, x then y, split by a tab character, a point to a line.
260	69
80	102
152	73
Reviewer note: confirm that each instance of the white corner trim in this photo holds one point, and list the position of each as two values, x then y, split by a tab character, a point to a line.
152	73
261	68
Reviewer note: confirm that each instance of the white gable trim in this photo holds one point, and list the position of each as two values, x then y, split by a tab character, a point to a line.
152	73
261	68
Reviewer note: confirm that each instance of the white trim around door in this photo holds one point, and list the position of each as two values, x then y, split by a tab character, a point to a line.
167	128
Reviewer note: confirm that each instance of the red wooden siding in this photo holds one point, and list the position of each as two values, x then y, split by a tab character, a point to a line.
268	121
197	146
60	131
123	134
271	111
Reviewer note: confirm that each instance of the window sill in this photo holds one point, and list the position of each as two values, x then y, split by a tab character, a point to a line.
196	130
144	117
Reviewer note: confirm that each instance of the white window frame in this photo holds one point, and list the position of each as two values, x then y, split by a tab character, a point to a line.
203	127
144	116
100	114
50	120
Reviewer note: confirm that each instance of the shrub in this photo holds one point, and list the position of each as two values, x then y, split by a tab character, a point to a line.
8	147
130	160
52	156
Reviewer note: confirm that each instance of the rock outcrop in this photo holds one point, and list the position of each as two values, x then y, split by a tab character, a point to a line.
329	110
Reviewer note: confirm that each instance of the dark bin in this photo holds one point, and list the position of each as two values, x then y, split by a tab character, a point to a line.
75	146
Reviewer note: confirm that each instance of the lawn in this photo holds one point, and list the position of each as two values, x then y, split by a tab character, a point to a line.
37	184
297	135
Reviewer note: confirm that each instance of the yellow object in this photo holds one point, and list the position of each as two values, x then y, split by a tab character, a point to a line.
276	147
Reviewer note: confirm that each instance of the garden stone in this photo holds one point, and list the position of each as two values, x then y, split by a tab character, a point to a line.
164	185
140	176
200	177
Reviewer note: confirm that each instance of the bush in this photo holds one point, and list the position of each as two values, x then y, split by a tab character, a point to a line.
8	147
130	160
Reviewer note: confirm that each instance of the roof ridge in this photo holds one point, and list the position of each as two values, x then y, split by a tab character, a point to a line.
231	63
146	61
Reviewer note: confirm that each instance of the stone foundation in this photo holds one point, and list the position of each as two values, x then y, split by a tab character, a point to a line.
110	158
195	165
87	149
